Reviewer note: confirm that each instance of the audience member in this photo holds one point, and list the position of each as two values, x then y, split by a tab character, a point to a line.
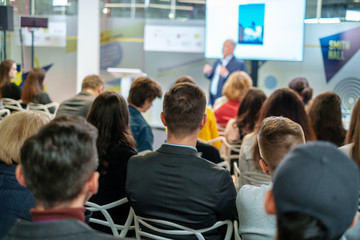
7	88
222	68
80	104
282	102
301	86
314	194
142	93
115	145
34	88
15	200
59	166
326	118
276	137
173	183
209	131
247	116
235	89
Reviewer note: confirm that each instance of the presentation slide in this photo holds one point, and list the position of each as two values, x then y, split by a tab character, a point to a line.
262	29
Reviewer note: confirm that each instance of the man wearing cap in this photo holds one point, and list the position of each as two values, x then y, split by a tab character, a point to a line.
315	193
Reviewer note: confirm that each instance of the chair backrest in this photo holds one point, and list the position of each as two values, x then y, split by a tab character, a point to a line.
4	112
50	108
115	228
236	176
236	231
12	104
178	230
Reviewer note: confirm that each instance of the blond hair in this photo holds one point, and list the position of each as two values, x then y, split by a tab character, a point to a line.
15	129
276	137
237	85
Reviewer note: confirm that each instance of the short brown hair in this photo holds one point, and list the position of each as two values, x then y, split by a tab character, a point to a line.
237	85
15	129
92	82
185	78
143	88
276	137
184	107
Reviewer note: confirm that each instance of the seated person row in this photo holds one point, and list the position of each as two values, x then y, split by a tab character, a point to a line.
173	183
58	165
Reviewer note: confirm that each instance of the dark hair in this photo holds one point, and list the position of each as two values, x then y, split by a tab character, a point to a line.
326	118
301	86
301	226
283	102
249	110
59	160
33	85
110	114
5	67
92	82
184	107
143	88
353	135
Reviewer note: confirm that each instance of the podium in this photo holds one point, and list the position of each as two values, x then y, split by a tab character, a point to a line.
126	75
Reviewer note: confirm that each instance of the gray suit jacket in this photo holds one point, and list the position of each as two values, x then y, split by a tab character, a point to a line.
78	105
174	184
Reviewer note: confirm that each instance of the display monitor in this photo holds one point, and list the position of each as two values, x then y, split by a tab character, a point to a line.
262	29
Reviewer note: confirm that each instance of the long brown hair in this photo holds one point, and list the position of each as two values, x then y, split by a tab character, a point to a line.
110	115
5	67
325	118
283	102
353	135
33	85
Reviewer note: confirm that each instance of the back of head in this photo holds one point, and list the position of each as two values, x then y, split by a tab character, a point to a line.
276	137
57	161
184	107
326	118
237	85
15	129
92	82
143	88
185	78
317	180
33	84
110	115
301	86
249	108
353	134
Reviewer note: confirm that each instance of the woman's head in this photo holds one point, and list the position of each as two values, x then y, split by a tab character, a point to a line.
110	115
353	135
249	109
237	85
7	71
34	84
326	118
15	129
301	86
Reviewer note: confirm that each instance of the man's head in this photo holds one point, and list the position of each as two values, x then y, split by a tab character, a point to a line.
276	137
142	93
58	164
184	109
315	193
93	84
228	48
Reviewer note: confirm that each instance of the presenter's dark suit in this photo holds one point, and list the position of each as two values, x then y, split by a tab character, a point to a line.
174	184
233	65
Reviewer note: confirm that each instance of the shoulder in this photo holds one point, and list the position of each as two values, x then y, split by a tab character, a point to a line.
248	194
347	149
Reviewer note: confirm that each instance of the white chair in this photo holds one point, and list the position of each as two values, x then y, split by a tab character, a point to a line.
236	176
4	113
178	229
44	108
236	231
12	104
115	228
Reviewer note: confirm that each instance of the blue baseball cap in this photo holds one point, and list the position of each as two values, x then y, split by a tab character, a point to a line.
319	180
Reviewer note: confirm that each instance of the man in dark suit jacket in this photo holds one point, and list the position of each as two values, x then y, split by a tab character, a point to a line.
219	73
174	183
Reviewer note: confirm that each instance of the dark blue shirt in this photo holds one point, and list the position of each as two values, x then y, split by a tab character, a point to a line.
141	130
